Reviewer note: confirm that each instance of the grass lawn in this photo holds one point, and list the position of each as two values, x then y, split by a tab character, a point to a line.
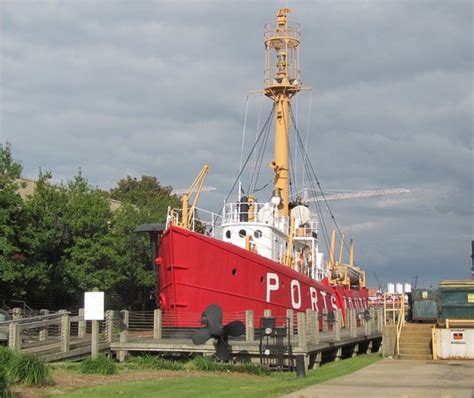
225	384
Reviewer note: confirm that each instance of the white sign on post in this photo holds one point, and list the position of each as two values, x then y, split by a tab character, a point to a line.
94	306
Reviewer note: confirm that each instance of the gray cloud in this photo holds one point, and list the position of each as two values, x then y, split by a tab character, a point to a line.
158	87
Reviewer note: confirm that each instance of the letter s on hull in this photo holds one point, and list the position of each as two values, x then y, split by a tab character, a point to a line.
273	284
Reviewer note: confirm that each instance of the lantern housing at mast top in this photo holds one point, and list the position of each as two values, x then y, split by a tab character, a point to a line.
282	70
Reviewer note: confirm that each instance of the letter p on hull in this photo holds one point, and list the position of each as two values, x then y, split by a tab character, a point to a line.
273	284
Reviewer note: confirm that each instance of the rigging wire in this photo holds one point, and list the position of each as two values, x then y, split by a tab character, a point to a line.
270	116
258	126
315	177
307	128
261	153
243	132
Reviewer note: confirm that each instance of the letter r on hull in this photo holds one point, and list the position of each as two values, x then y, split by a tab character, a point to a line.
314	298
273	284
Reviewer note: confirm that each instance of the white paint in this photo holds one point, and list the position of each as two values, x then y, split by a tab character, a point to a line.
295	285
94	306
313	293
323	294
273	284
333	303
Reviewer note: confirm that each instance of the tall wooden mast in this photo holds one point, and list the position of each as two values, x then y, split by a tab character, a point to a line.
282	81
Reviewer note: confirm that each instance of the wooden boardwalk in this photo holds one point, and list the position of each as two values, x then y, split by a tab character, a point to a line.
60	336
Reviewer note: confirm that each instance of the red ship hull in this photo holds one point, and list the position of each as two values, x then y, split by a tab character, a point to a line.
196	270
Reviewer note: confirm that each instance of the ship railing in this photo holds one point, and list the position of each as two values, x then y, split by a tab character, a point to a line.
308	229
202	221
292	31
265	213
271	72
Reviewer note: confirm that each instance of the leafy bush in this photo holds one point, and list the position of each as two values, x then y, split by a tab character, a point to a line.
4	385
100	365
207	364
6	356
28	369
154	362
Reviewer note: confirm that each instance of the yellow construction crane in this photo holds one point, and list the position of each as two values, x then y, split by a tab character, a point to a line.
196	187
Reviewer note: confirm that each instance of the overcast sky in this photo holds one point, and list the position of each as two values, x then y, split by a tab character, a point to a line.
159	88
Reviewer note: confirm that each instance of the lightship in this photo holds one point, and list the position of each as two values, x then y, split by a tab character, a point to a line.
255	255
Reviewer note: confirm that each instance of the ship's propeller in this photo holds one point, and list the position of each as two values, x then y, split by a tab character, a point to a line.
211	318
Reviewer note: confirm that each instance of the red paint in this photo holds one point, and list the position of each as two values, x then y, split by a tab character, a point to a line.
197	270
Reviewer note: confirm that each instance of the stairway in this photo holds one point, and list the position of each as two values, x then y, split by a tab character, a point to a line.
415	341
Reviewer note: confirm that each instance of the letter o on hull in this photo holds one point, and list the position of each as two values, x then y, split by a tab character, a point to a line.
295	291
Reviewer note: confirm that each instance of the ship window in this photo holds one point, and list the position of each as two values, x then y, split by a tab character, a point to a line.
228	234
242	233
234	271
257	234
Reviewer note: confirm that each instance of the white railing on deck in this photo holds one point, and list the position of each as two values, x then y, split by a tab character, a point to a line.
234	213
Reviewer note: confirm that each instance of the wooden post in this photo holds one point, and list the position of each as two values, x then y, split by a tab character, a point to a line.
122	354
380	320
289	315
369	347
367	327
157	320
95	339
352	322
312	326
65	331
317	360
109	325
14	340
302	340
355	351
43	333
325	321
16	314
337	325
338	354
81	324
349	322
249	326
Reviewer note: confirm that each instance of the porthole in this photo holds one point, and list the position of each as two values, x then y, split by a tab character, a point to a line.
242	233
257	234
234	271
228	234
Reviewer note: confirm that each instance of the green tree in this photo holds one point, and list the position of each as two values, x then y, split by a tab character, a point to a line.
143	200
11	223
